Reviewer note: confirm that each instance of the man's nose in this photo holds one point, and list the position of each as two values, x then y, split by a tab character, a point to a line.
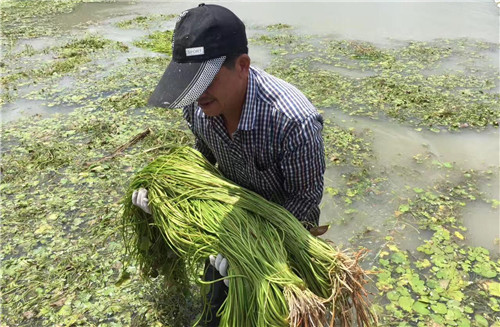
203	95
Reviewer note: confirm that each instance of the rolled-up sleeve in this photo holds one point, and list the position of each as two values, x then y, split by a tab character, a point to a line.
303	167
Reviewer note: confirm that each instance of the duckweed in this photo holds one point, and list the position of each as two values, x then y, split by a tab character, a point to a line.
404	83
62	250
144	22
279	26
158	42
52	197
32	18
443	280
44	74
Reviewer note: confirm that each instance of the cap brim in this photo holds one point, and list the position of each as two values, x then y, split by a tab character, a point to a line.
183	83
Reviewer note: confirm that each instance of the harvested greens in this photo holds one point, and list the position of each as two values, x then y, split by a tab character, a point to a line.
280	275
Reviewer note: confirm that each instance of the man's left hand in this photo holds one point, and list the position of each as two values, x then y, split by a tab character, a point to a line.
220	263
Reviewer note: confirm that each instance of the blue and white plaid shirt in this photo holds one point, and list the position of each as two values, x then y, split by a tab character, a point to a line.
277	149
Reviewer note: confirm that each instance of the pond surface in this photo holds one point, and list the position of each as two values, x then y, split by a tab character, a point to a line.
386	24
394	147
373	21
404	166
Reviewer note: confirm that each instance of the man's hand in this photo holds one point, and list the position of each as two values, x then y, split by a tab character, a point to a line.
220	263
319	230
140	199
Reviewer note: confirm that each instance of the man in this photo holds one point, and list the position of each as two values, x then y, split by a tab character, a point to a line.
262	132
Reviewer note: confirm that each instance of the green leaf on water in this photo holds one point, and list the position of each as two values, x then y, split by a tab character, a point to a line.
458	235
398	257
481	321
52	216
493	304
485	269
404	208
423	264
77	221
438	319
455	295
384	262
65	310
406	303
439	308
125	276
393	296
493	288
421	308
453	314
447	165
463	322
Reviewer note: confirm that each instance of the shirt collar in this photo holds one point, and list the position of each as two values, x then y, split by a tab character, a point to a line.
249	113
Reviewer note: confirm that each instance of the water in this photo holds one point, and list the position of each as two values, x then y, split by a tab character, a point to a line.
482	225
385	24
394	147
378	22
22	108
91	14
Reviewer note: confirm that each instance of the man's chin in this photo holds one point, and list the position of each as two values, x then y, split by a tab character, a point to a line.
209	110
209	114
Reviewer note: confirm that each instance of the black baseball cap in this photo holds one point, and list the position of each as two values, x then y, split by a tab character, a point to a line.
203	38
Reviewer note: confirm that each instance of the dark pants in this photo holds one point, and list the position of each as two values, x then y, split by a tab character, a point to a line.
215	297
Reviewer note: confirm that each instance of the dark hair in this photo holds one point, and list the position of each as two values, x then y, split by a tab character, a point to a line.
231	60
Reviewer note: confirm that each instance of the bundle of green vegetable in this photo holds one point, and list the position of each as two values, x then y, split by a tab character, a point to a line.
280	275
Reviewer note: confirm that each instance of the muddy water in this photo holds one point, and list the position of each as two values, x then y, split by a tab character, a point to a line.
23	108
375	21
394	145
378	22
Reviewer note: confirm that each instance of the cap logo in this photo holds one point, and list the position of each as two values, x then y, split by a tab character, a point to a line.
195	51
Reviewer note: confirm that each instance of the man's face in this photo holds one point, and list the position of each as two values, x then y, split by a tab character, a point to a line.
223	94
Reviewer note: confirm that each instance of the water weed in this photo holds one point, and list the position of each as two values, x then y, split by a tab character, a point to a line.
158	41
401	85
144	22
63	259
30	19
443	280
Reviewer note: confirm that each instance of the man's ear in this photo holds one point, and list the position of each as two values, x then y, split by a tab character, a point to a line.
243	64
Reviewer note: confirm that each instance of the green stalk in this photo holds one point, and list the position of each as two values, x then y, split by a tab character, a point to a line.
280	275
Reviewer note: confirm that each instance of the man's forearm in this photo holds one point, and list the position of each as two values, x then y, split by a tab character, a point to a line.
303	167
306	210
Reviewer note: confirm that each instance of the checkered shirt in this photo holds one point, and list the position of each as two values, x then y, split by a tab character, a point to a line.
277	149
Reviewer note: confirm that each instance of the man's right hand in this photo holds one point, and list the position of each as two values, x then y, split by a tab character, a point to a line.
319	230
140	199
